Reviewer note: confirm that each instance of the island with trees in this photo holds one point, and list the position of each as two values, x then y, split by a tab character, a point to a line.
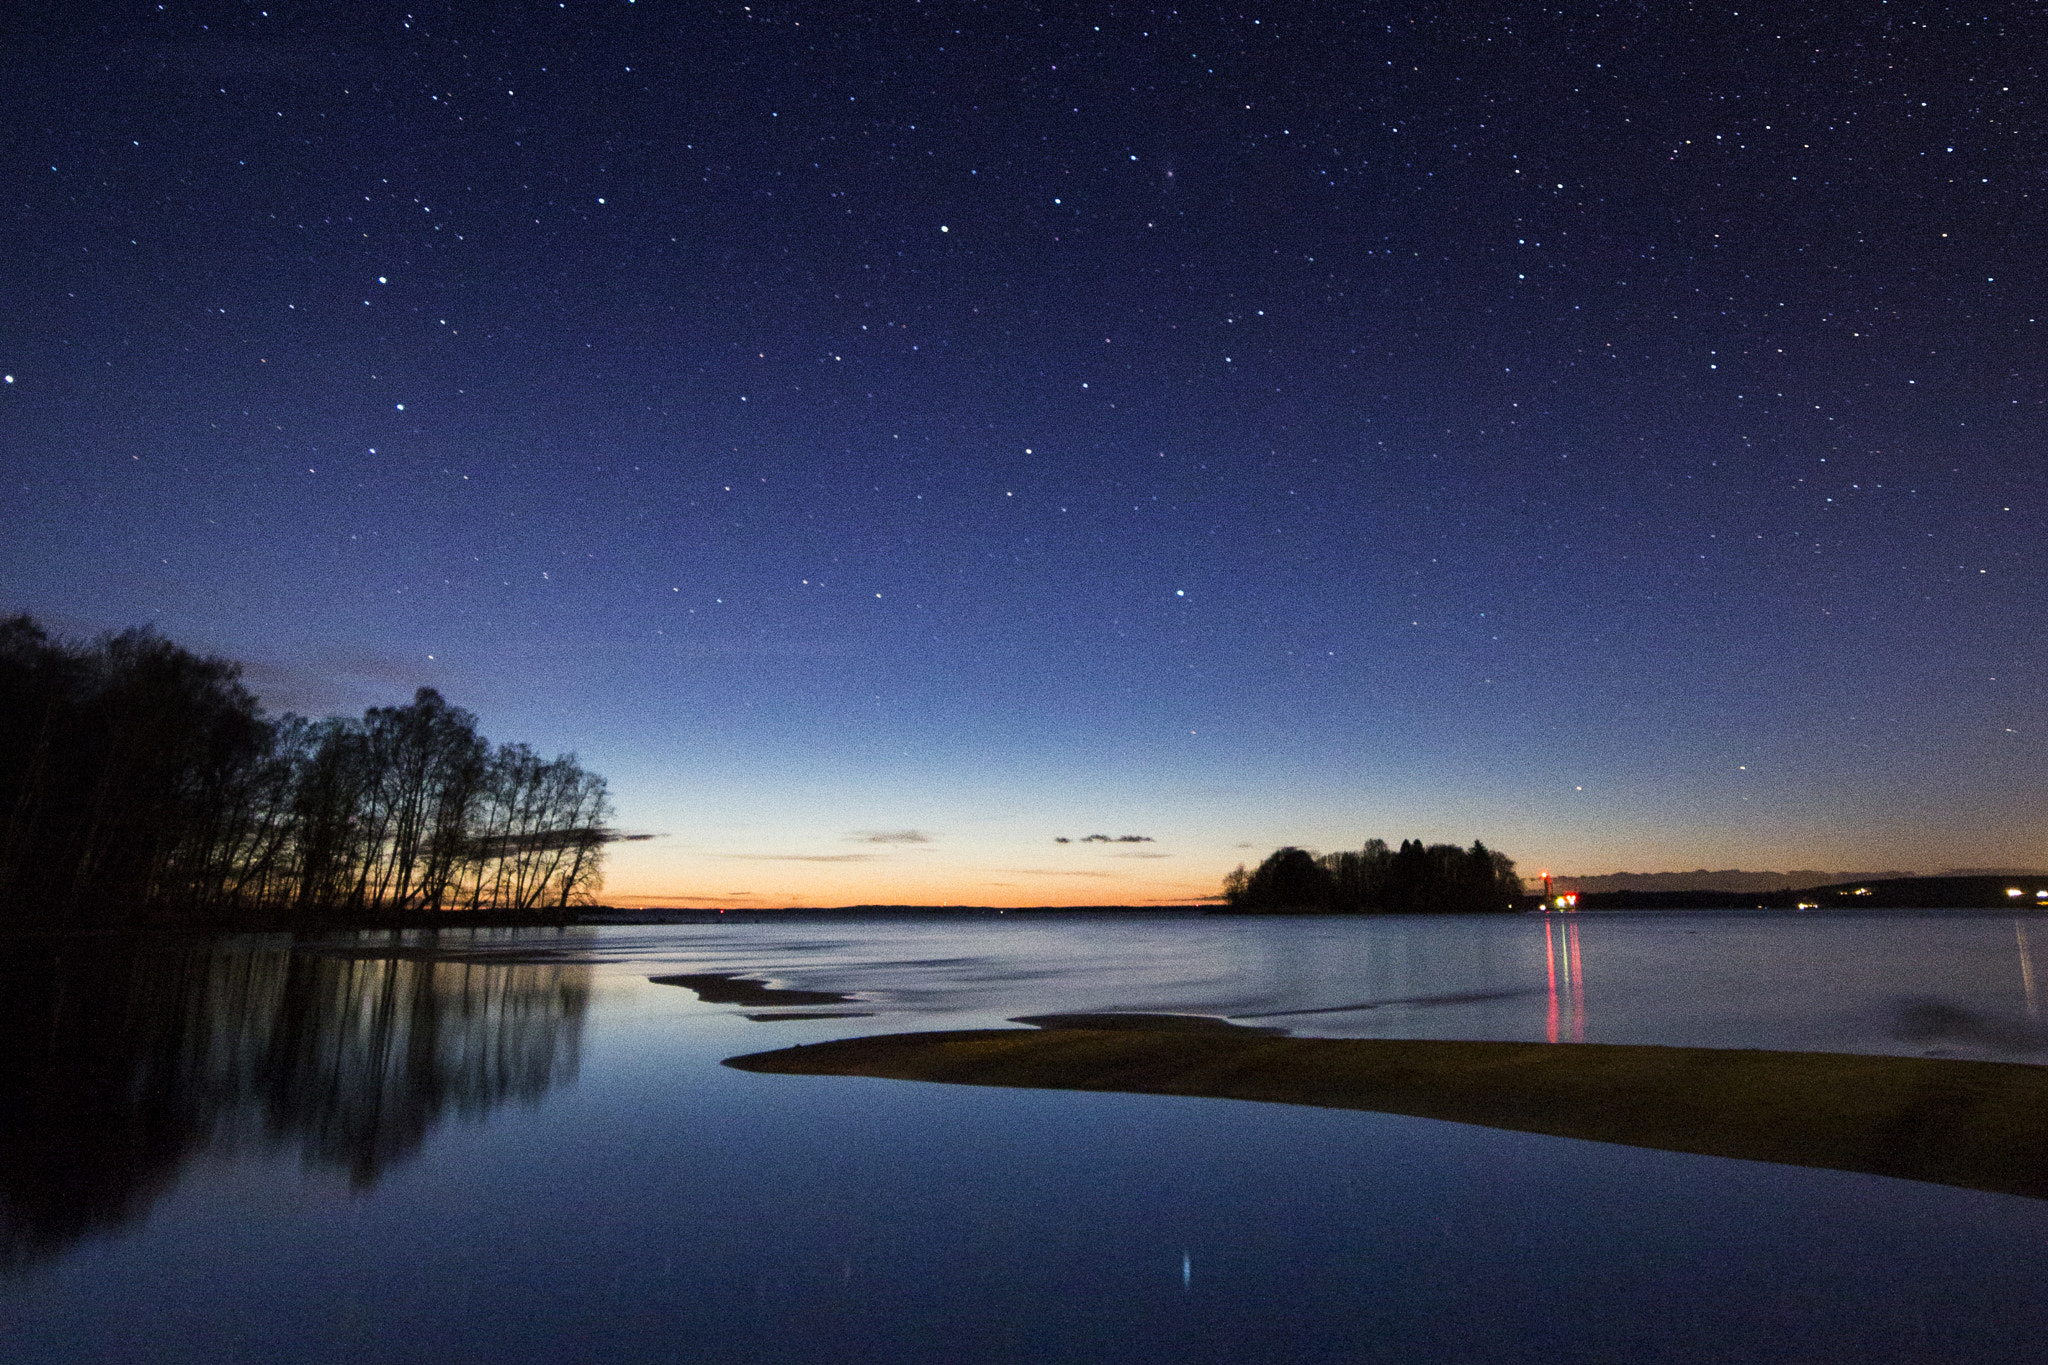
1413	879
142	784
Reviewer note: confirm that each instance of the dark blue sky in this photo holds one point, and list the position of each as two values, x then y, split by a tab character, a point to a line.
1611	432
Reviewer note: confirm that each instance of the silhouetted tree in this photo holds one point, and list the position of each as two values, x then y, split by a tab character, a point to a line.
1290	879
1435	879
1358	880
139	780
122	772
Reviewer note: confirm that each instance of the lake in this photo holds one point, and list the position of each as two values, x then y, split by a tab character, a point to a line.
519	1146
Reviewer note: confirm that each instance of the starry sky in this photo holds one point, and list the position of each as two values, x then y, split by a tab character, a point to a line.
886	440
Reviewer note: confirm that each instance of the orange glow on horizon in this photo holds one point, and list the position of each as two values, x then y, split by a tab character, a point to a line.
796	882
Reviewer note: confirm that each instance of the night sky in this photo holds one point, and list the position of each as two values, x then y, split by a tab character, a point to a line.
884	441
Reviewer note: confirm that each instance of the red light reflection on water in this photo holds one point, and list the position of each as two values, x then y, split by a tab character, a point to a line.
1567	1010
1550	962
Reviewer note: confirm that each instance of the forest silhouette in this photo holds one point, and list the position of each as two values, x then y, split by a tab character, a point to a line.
1437	879
142	784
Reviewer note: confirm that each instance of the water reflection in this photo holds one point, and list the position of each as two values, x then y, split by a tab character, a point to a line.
2019	930
125	1060
1566	1017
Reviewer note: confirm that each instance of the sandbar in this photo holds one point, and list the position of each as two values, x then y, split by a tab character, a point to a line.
1978	1125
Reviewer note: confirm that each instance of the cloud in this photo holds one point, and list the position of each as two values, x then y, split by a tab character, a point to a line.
802	857
547	841
1109	839
1141	855
1062	872
334	681
680	901
901	836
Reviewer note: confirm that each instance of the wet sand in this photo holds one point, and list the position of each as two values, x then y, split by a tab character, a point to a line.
1979	1125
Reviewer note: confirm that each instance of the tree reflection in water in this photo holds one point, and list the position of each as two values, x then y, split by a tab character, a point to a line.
122	1059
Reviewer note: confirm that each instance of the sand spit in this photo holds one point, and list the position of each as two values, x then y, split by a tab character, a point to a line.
1979	1125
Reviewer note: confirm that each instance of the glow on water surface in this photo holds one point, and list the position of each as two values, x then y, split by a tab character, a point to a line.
516	1147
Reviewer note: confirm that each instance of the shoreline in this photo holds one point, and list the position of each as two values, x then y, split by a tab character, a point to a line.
602	917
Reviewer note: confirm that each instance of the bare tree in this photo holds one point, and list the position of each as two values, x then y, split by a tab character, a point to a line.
138	778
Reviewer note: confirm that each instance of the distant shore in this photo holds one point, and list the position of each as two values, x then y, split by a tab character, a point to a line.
1893	893
1890	893
2018	893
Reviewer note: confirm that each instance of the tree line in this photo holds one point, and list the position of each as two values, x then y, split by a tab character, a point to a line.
1438	879
141	782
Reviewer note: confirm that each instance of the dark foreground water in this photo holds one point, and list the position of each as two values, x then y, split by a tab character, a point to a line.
516	1147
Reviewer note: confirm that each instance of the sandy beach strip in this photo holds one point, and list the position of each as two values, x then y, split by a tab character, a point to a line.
1980	1125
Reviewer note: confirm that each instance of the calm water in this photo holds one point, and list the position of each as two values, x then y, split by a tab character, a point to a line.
515	1147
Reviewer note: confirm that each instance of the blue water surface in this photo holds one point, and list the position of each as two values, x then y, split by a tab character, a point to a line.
515	1147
